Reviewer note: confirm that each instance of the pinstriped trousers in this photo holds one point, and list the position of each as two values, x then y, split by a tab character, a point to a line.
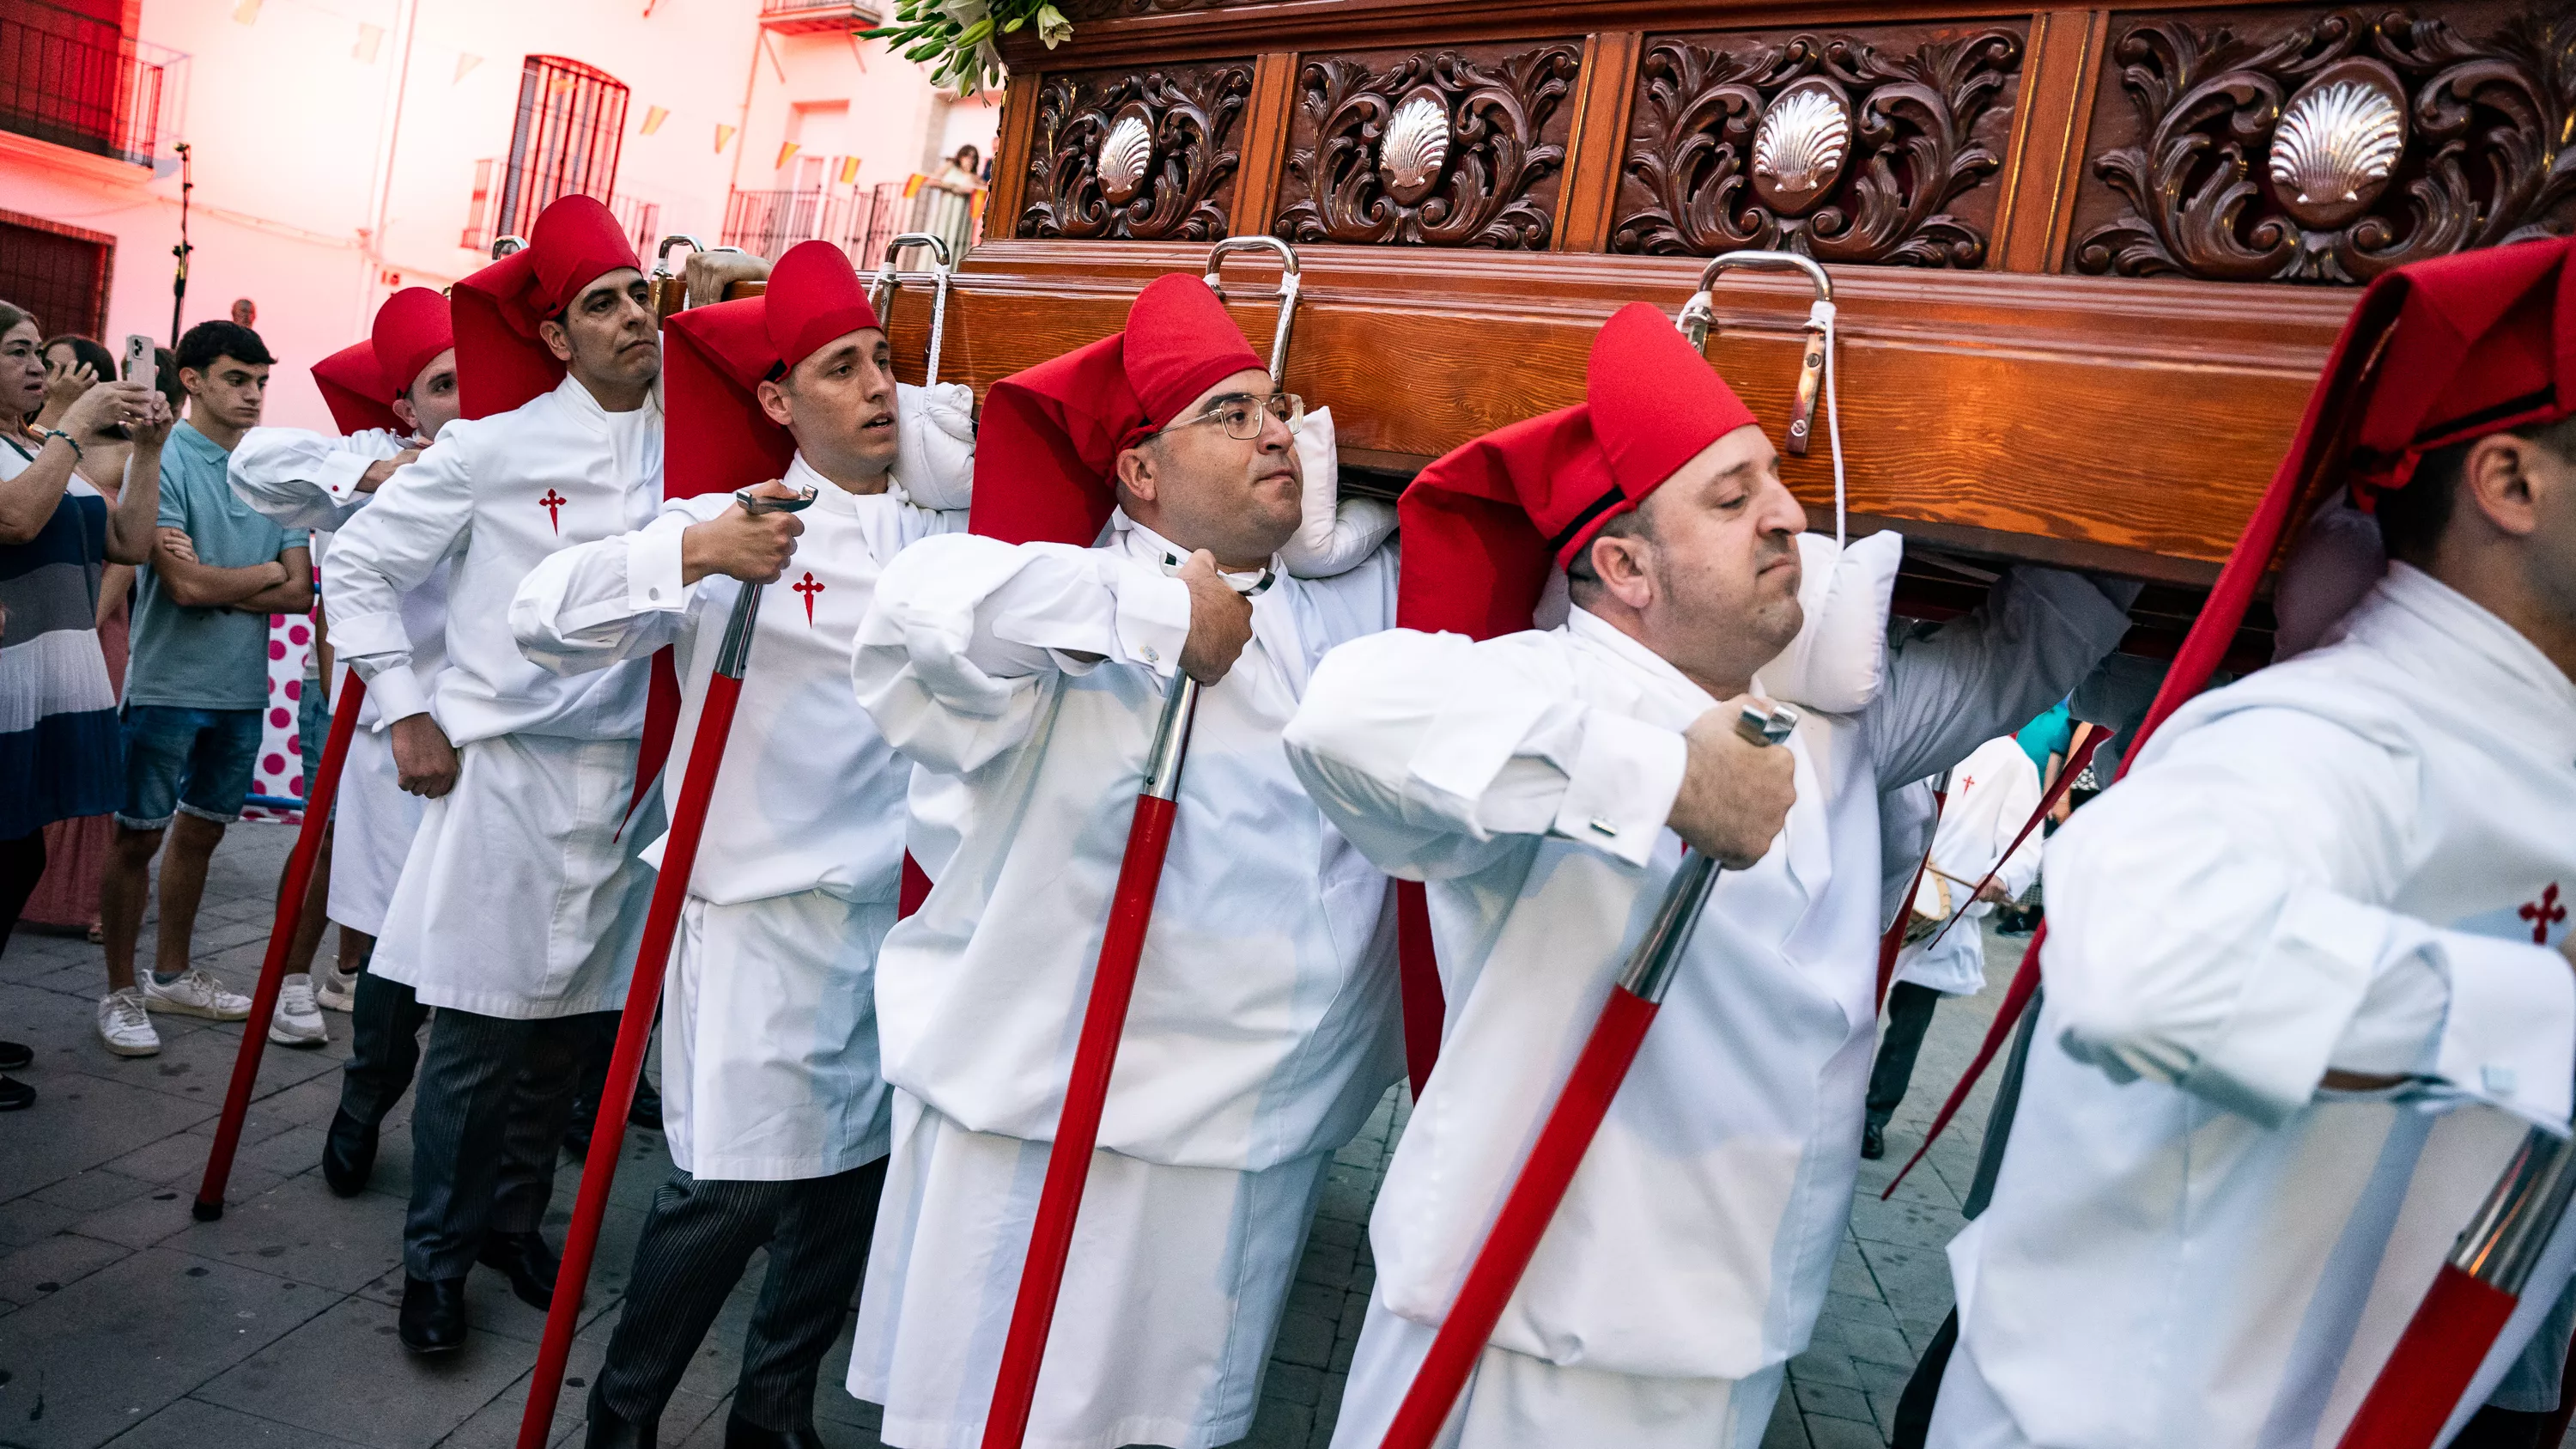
493	1097
696	1242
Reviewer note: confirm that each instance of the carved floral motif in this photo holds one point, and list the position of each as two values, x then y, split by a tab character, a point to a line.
1818	144
2349	143
1440	149
1149	155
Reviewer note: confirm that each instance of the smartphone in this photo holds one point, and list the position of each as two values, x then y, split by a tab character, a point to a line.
139	364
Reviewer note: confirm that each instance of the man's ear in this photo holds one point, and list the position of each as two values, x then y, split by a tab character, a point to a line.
2498	479
1621	565
406	414
556	339
773	403
1136	473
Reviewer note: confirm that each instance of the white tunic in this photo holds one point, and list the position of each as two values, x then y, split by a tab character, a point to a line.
2358	859
769	1043
521	896
301	479
1527	780
1992	793
1263	1028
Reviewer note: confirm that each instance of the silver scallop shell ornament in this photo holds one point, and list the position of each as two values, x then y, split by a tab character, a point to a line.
1125	155
2337	142
1801	146
1415	147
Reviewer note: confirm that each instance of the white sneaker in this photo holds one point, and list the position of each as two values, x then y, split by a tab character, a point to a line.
337	991
298	1022
125	1026
195	993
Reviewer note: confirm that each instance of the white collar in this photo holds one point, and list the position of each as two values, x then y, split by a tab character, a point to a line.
1590	628
829	497
583	406
1140	542
2482	663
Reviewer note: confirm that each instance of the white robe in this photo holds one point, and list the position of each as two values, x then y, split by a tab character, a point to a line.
1233	1085
1527	780
769	1042
522	896
1992	793
308	480
2357	859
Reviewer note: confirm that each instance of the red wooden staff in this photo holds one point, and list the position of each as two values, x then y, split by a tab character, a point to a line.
318	794
1571	1125
1113	984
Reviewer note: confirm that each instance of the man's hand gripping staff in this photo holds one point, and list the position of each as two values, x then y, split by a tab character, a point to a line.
1712	813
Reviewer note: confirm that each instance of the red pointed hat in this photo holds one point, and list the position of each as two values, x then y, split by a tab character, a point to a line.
354	389
500	362
716	438
1051	434
1483	523
411	329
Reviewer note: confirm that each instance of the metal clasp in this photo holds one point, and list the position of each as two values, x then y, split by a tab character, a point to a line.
1288	281
1699	317
881	292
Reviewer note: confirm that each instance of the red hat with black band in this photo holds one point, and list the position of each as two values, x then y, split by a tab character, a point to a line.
716	437
1050	435
360	382
353	387
501	362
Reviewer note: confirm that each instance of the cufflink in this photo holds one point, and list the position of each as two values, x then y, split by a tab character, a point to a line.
652	593
1605	826
2499	1080
1153	655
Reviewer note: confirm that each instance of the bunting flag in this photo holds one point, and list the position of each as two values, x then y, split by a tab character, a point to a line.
369	38
724	136
786	152
654	116
464	63
849	170
912	184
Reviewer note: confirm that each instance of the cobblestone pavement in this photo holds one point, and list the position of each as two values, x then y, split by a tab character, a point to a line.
123	1320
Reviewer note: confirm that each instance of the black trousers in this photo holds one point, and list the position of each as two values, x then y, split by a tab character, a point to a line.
697	1240
22	865
384	1047
494	1095
1909	1016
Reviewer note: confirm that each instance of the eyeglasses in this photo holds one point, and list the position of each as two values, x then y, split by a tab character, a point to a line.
1242	414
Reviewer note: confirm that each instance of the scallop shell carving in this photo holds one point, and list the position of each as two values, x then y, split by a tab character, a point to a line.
2336	144
1800	148
1415	148
1125	153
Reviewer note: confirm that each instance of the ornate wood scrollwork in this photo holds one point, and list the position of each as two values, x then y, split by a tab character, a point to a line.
1826	145
1148	155
2334	147
1442	149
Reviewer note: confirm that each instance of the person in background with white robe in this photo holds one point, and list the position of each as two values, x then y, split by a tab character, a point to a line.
2308	968
520	906
1543	784
392	395
1991	796
1028	679
775	1110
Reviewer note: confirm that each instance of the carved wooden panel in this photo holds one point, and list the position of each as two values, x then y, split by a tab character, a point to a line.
1877	145
1450	147
1147	153
2327	145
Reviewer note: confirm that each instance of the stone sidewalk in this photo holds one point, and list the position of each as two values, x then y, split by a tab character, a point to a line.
123	1320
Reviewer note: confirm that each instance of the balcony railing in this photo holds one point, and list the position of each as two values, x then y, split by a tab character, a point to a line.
859	222
797	17
78	82
642	219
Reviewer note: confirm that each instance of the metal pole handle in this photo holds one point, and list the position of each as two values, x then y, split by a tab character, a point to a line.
1658	954
733	656
1699	316
1288	281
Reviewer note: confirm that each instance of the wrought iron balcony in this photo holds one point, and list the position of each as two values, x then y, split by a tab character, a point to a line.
79	82
483	219
800	17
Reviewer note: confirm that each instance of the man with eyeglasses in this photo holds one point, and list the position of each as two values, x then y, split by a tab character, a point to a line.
1025	677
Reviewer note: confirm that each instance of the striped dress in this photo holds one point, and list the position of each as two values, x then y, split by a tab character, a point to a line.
60	756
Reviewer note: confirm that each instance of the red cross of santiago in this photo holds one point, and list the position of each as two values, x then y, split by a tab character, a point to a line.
809	586
553	504
2543	914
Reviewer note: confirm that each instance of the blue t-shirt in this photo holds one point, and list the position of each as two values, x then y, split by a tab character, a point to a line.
2051	734
203	658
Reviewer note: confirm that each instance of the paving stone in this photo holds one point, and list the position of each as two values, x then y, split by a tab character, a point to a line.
193	1423
28	1220
306	1378
1788	1427
1827	1432
51	1264
82	1121
118	1346
1280	1424
1832	1400
87	1192
298	1230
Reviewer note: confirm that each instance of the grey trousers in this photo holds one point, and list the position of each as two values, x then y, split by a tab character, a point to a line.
696	1242
492	1100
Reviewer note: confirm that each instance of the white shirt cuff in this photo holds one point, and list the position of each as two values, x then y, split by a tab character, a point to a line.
1153	619
339	474
1623	785
392	687
2510	1035
653	571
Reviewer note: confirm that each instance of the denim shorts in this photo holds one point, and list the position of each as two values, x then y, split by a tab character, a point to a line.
197	760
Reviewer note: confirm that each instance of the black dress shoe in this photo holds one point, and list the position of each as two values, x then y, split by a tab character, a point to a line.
348	1154
529	1262
742	1434
18	1056
1873	1141
15	1094
610	1430
433	1314
576	1138
646	1110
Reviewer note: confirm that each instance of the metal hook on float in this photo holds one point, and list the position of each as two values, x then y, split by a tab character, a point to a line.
1816	368
1288	276
505	244
670	290
881	291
